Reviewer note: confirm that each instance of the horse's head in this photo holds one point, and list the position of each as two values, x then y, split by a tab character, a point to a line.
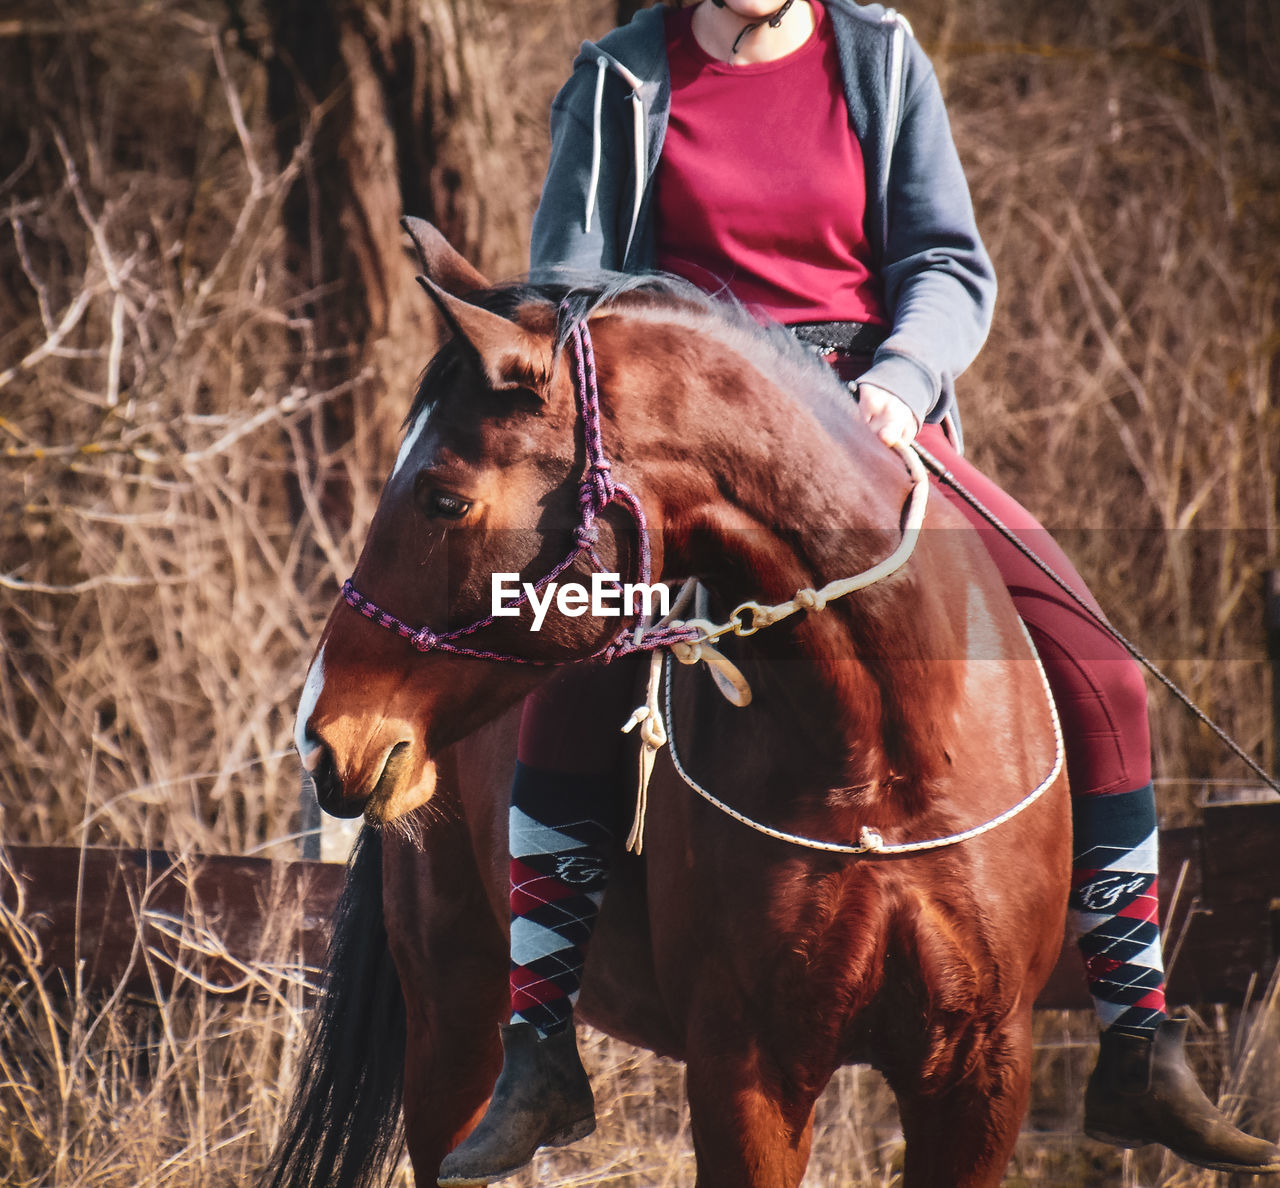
486	482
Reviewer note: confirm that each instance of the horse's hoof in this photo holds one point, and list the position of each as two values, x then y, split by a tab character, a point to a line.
1143	1092
542	1099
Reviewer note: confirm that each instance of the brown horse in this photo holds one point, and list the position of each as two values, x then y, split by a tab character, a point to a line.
914	708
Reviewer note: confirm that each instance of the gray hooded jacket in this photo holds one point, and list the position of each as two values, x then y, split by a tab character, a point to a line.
607	128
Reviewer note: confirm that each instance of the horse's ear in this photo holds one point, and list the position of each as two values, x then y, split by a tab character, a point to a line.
439	260
507	354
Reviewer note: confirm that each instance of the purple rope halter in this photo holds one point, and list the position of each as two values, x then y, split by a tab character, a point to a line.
596	491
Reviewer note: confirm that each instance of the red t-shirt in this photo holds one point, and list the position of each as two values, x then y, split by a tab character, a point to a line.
761	187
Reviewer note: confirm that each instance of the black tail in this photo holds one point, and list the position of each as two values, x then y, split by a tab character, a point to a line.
345	1125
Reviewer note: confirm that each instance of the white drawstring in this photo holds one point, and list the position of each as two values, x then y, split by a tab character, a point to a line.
637	117
602	64
639	146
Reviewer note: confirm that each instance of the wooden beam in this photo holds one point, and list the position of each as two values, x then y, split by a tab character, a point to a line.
212	918
157	922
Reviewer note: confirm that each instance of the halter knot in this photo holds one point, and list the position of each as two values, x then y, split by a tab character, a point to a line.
586	536
810	600
870	840
424	640
597	488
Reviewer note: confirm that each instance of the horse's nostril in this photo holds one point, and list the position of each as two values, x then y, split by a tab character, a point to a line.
328	784
393	768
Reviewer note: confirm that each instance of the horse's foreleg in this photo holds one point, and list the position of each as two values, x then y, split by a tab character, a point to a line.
450	1068
960	1133
752	1123
452	959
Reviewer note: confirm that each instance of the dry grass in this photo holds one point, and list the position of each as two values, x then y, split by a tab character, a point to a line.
189	1087
182	1088
159	593
167	554
1128	393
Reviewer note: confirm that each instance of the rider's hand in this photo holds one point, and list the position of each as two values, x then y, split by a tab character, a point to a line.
894	423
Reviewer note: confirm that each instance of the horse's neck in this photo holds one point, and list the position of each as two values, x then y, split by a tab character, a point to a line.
786	503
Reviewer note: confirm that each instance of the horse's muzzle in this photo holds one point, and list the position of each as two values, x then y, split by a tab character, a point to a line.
390	789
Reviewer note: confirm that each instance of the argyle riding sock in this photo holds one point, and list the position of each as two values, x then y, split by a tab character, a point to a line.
560	841
1114	906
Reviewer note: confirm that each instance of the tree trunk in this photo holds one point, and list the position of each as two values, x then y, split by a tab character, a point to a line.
405	104
403	107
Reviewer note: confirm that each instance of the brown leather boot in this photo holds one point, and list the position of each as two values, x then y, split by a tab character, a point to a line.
542	1099
1143	1092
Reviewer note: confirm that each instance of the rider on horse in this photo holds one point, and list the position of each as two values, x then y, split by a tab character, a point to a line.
800	157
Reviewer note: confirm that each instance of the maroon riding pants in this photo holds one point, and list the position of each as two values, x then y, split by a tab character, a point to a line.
1098	687
571	723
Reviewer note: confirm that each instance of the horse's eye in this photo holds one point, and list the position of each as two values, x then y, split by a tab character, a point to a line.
447	506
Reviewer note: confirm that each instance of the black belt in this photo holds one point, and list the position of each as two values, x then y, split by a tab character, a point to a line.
854	338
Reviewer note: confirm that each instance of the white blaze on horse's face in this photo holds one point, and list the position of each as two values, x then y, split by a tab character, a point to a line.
411	440
307	750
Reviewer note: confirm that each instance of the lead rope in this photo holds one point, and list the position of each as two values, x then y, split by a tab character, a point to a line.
945	476
749	617
746	619
870	839
729	680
